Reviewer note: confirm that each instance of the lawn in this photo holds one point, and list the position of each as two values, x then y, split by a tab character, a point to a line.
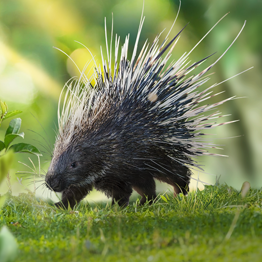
216	224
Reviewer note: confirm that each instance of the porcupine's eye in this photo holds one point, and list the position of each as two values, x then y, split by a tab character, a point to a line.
73	165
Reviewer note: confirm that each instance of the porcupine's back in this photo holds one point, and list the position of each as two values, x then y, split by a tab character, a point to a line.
134	143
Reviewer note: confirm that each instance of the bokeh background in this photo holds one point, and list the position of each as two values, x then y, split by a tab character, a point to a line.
32	72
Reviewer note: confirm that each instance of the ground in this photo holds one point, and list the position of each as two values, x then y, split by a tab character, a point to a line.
216	224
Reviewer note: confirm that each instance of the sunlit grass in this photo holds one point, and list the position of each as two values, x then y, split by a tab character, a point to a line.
186	228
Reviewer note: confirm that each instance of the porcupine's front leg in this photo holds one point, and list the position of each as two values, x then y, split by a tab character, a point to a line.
121	196
119	190
73	195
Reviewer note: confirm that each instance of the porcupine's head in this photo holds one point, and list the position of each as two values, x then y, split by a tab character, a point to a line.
74	165
67	167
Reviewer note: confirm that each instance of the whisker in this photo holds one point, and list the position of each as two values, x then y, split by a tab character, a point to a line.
49	145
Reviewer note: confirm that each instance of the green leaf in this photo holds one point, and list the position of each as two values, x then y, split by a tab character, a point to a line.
5	164
8	245
12	113
2	145
164	198
14	126
9	138
25	148
4	108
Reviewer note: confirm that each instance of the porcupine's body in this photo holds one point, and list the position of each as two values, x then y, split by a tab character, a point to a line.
140	122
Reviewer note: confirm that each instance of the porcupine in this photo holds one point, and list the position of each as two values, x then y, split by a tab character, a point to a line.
141	121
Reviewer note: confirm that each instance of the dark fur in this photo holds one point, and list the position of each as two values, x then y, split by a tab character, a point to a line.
123	144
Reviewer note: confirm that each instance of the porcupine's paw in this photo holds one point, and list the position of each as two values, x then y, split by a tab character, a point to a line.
147	199
121	197
65	203
123	202
72	196
181	189
61	205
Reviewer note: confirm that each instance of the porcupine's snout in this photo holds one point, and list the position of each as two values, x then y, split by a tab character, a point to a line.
53	182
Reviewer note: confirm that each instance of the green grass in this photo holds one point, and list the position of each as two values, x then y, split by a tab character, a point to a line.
215	224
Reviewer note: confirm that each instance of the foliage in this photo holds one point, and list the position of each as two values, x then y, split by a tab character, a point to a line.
5	114
216	224
8	245
12	132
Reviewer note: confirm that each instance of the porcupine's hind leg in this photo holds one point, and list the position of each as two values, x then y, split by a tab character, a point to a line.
181	181
145	186
177	176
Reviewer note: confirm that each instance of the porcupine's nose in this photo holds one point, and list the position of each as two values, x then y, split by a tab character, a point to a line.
52	182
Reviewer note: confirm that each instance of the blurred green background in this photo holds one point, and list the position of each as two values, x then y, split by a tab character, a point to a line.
32	72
